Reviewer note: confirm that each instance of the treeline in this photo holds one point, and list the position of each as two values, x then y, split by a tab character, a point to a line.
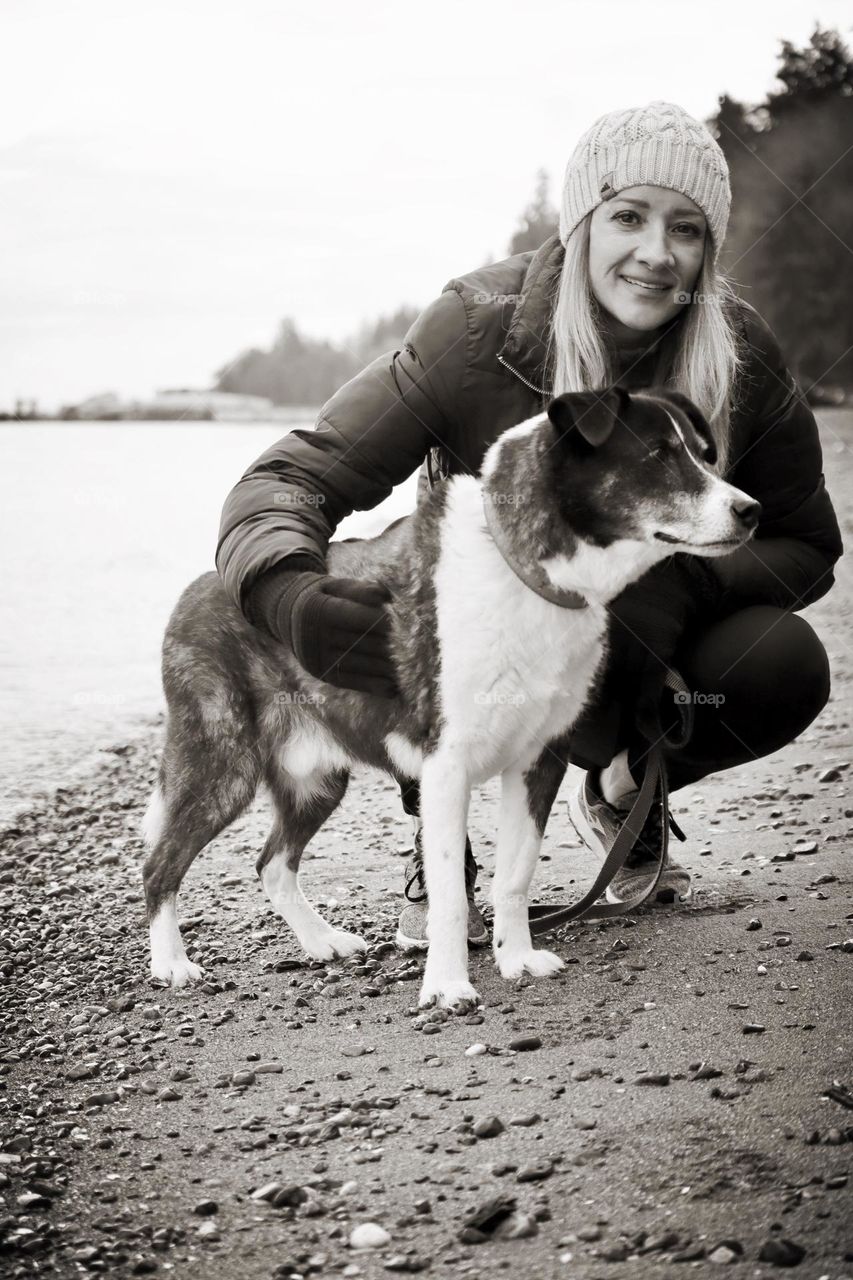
789	246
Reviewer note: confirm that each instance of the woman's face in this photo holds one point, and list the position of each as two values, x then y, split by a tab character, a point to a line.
646	246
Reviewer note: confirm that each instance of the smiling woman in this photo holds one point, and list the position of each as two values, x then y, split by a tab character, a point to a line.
629	293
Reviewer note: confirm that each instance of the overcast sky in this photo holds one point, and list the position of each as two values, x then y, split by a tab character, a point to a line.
178	176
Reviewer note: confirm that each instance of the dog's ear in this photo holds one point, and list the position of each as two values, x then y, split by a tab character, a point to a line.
698	423
587	418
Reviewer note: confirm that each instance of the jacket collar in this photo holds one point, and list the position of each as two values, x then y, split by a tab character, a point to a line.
524	350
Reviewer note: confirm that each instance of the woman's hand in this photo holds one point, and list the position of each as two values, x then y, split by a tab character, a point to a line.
338	628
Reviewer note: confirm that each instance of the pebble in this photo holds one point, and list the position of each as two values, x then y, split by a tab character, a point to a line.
753	1029
525	1044
723	1255
781	1252
369	1235
205	1208
488	1127
475	1050
653	1078
535	1172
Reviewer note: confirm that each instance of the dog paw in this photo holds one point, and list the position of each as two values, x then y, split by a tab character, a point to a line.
176	973
448	995
334	945
513	964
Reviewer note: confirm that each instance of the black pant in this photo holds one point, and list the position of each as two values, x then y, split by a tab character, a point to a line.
757	679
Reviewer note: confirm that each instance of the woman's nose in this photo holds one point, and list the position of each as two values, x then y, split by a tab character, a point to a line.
654	251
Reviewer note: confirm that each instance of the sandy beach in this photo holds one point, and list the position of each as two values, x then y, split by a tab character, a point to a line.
680	1093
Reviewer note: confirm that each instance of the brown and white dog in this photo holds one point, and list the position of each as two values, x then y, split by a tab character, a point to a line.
500	589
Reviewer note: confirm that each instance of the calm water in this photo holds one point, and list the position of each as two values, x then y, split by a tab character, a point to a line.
102	526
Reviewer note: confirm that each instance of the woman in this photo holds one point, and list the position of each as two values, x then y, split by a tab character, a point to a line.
627	291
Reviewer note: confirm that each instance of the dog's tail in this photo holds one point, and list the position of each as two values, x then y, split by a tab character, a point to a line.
154	818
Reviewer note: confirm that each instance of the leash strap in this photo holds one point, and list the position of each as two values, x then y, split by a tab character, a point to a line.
547	916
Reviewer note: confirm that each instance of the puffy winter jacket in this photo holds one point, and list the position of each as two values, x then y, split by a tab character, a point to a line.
473	364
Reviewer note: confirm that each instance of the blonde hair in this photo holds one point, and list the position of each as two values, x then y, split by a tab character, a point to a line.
698	356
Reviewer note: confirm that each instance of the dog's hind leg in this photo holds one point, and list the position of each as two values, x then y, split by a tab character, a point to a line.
526	799
301	809
203	787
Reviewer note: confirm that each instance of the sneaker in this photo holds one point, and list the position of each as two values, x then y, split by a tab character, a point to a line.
598	823
411	929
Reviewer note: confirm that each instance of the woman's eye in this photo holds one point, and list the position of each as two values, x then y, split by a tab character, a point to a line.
689	228
626	213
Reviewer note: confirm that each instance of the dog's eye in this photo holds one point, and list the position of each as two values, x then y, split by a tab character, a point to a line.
660	452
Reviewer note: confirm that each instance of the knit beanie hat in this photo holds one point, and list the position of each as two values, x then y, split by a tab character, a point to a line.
658	145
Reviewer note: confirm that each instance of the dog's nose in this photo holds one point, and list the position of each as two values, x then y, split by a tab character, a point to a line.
747	511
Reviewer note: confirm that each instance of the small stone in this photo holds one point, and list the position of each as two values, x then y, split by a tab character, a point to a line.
806	846
723	1255
205	1208
781	1252
208	1230
535	1172
588	1234
268	1069
267	1191
829	775
617	1252
753	1029
526	1120
369	1235
525	1044
475	1050
169	1095
241	1078
805	955
488	1127
653	1078
753	925
517	1227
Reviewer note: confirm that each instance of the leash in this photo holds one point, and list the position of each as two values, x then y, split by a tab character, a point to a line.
547	916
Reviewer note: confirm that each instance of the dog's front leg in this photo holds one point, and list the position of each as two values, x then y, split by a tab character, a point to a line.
445	794
519	839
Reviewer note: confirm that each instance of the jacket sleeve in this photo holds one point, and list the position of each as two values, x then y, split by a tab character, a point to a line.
790	561
373	433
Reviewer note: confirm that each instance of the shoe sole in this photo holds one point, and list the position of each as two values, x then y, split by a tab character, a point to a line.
589	837
422	944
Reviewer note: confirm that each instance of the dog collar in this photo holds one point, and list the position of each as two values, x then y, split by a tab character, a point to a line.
536	582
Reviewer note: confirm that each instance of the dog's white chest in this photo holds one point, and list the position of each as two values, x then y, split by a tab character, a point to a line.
515	669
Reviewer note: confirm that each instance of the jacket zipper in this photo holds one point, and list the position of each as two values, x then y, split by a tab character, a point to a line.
541	390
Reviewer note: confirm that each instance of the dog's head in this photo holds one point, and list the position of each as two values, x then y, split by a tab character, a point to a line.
638	467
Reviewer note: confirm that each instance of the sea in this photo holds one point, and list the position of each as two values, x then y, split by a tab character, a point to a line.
102	525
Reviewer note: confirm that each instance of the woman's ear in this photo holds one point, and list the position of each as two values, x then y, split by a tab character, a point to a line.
697	421
586	418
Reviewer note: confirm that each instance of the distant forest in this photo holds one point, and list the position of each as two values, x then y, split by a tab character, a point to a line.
789	247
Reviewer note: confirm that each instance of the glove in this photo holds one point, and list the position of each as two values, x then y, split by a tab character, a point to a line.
337	628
